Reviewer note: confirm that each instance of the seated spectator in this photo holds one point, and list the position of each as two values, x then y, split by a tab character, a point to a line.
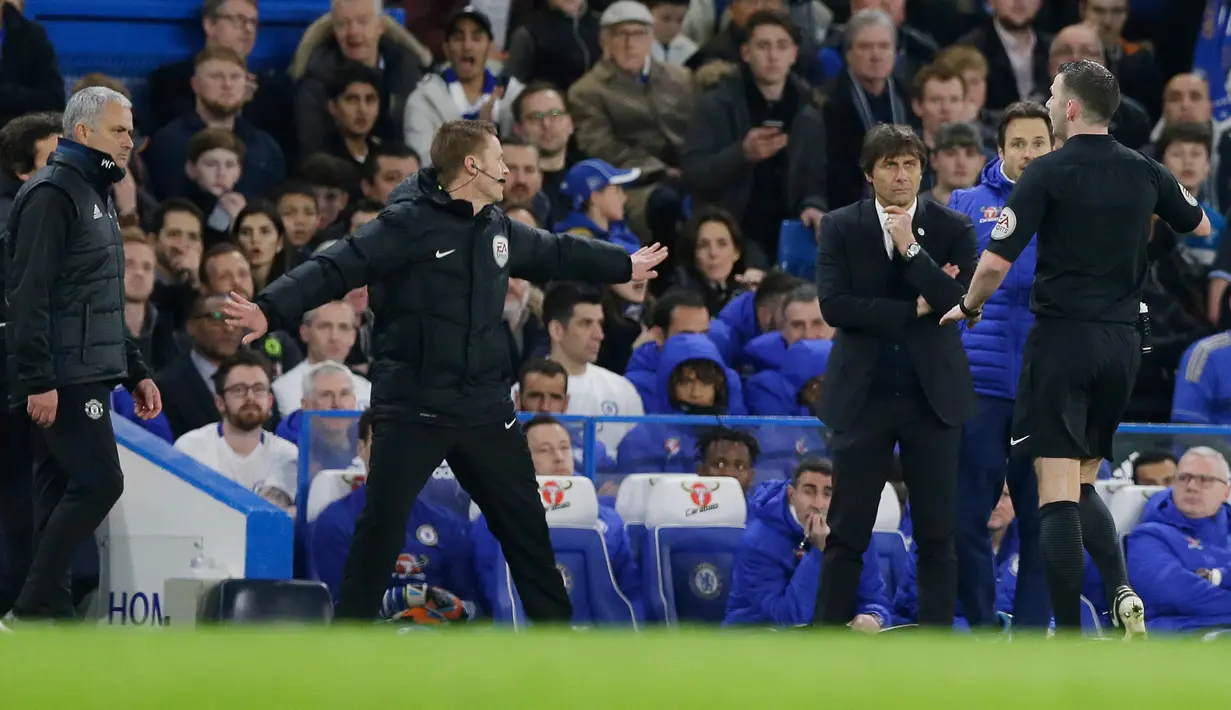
542	388
524	185
753	313
969	63
597	191
1133	63
175	229
801	320
385	169
678	311
364	211
955	163
632	112
794	389
25	145
722	451
523	308
214	165
329	333
1203	383
187	385
259	233
357	31
938	97
326	386
1011	26
1186	99
1154	468
573	315
154	335
691	380
557	45
916	46
220	84
1179	555
433	580
354	105
541	119
755	145
29	73
623	310
465	89
712	260
335	183
237	448
296	202
778	562
1185	150
671	45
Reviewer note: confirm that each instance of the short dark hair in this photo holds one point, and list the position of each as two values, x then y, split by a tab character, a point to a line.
657	3
214	252
453	142
934	72
686	244
774	286
563	296
660	317
1152	456
1094	87
811	464
366	205
540	420
371	166
712	435
803	293
1019	110
244	357
208	139
1198	133
526	207
158	219
545	367
349	73
365	423
773	18
262	207
890	140
18	137
535	87
293	187
325	170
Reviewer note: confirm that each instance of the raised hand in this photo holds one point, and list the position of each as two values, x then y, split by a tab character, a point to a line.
242	313
645	259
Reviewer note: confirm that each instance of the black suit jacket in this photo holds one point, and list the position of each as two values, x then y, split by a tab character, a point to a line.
853	285
186	400
1002	88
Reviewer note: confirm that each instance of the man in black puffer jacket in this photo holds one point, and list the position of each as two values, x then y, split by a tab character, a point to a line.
437	263
66	341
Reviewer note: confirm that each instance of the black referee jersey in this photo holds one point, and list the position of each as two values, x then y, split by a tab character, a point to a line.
1091	203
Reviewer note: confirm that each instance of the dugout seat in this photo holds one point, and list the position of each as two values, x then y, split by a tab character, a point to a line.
571	505
889	514
630	503
797	249
693	526
267	601
890	544
1106	489
1127	503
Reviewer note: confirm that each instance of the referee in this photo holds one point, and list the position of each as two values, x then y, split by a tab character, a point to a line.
1091	203
437	262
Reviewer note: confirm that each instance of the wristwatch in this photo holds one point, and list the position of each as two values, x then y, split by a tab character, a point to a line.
969	313
912	250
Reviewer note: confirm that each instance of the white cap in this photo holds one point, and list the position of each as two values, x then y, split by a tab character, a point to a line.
623	11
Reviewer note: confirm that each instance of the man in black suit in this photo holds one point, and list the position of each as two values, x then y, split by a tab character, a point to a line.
190	399
895	377
1016	54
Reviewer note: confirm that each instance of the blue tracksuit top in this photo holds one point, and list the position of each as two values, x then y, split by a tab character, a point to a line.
642	368
740	315
775	393
995	346
1203	382
1163	555
774	581
617	233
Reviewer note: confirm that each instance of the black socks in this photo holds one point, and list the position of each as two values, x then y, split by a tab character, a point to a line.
1098	532
1060	537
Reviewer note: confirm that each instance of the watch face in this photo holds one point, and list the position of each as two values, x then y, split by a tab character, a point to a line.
912	250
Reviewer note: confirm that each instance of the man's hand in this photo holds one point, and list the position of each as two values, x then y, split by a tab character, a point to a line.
922	307
818	531
811	217
487	111
955	314
242	313
898	226
648	335
232	203
42	408
750	279
762	143
147	400
645	259
951	269
865	623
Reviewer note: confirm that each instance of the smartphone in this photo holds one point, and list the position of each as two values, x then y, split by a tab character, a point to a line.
777	125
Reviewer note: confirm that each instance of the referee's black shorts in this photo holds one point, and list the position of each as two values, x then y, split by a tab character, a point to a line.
1075	383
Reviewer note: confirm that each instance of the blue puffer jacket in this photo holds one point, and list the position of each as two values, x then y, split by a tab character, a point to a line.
995	346
775	393
740	315
1163	554
642	368
618	232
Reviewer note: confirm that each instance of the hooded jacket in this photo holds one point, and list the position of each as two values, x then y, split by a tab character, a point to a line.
642	369
775	578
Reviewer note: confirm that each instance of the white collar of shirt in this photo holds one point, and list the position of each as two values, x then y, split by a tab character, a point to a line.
882	216
1005	175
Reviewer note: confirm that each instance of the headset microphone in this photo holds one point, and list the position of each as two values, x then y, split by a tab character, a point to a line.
493	177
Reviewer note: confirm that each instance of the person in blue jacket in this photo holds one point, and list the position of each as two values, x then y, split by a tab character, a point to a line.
1179	555
551	451
995	349
778	562
801	320
1203	382
122	404
595	187
791	391
677	311
753	313
433	581
692	379
723	451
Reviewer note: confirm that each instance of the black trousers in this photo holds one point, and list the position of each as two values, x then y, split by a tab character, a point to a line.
77	480
492	463
16	501
862	459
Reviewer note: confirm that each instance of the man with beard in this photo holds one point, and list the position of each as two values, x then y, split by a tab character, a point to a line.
236	447
525	185
219	83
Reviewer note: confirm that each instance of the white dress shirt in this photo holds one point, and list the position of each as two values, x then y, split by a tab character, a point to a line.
884	216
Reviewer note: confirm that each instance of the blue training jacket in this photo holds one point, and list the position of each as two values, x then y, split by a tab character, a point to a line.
669	448
1163	554
122	404
642	368
437	550
618	232
906	598
767	351
740	316
775	393
1203	382
995	347
774	581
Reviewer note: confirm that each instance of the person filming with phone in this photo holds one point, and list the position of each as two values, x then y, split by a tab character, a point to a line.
756	144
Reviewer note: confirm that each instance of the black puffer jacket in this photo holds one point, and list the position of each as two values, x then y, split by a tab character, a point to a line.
437	276
64	263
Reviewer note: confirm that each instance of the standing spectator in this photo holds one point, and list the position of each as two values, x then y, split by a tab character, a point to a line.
968	63
671	45
386	168
1184	149
863	96
541	119
1186	99
153	334
1132	63
525	180
724	45
938	97
232	24
357	31
597	191
187	384
175	230
259	233
296	203
219	82
1016	55
558	45
354	105
364	211
30	77
710	255
957	158
916	48
756	144
25	145
213	167
334	182
623	311
329	332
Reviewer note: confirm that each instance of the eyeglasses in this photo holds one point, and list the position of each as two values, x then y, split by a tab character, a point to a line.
240	391
248	23
1202	481
629	35
544	116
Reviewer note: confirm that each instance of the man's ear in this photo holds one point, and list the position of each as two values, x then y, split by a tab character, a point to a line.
555	330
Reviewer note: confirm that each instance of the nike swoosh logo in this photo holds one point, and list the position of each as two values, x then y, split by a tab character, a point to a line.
443	254
1015	442
510	424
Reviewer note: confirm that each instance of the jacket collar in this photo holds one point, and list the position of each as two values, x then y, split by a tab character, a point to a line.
97	167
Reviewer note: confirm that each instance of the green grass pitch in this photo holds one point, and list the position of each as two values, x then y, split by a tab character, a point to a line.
349	669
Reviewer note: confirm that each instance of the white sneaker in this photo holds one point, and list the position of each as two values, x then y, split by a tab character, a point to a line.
1130	613
4	629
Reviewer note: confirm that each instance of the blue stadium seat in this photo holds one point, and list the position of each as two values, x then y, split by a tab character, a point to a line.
797	249
693	526
631	501
581	557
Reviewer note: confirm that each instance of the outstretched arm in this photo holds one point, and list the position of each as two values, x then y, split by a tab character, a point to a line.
540	256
